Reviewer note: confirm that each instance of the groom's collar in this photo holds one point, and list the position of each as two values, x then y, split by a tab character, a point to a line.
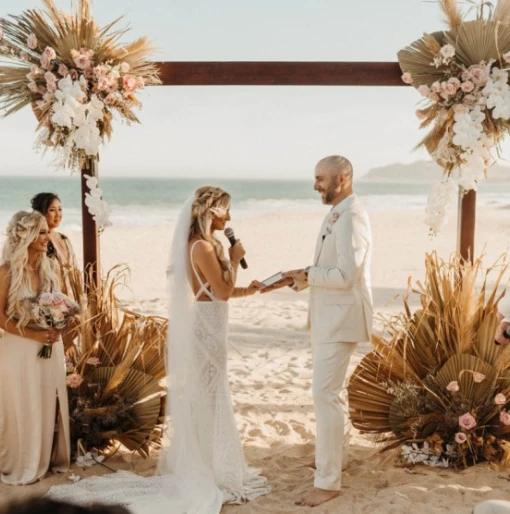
344	204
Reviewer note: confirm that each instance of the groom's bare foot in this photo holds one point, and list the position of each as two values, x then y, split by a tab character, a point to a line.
316	497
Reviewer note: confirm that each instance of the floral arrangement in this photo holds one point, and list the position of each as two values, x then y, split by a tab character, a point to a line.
462	75
52	310
75	75
114	374
436	387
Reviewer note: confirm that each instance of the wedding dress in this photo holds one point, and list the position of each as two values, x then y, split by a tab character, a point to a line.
205	465
31	388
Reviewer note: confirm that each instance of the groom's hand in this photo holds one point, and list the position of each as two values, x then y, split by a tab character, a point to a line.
297	275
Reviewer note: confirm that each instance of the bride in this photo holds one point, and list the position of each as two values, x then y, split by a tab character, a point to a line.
204	466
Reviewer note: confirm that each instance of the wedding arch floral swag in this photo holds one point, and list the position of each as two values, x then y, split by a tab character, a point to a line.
462	74
76	76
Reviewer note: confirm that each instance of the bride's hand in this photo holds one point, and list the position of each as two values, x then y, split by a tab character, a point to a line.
237	252
254	287
50	336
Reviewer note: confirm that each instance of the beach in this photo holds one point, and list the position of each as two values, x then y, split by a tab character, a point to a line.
270	360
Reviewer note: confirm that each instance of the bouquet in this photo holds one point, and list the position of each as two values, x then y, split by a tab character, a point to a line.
52	310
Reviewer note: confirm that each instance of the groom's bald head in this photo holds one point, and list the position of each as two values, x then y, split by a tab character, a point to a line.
333	179
336	165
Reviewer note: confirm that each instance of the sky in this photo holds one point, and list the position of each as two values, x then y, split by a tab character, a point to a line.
248	132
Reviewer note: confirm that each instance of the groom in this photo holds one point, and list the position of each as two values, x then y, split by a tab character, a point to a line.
340	314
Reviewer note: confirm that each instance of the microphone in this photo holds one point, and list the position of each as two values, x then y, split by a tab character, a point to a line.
229	234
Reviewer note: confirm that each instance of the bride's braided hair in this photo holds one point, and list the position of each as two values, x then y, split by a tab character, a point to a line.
210	202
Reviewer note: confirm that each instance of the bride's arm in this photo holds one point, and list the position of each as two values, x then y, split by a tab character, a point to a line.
206	261
253	288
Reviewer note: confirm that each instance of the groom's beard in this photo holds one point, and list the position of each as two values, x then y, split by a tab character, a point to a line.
329	195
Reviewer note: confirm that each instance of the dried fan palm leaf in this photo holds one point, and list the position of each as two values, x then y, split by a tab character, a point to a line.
416	59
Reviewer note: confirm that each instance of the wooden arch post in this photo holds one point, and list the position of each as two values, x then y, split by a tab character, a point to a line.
283	74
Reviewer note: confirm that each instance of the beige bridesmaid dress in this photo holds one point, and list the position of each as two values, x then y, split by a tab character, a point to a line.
33	436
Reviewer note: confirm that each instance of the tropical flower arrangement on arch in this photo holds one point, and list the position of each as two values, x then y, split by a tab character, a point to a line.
462	75
75	75
436	388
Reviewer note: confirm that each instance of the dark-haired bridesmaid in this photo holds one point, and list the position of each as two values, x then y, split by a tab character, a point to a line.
59	247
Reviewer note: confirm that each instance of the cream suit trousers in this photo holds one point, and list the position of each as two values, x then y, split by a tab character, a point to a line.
330	363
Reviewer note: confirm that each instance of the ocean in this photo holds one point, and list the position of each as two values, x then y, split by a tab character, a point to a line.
155	201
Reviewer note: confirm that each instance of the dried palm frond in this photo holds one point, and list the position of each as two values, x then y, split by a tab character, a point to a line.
437	364
417	57
122	364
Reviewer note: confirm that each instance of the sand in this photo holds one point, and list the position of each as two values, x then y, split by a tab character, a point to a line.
270	361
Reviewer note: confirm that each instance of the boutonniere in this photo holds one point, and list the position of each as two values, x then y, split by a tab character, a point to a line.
333	217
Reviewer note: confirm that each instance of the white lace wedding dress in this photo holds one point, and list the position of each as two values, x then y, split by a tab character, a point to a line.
205	466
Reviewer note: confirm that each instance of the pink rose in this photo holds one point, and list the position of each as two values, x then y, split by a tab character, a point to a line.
478	377
467	86
93	361
478	75
448	90
46	63
460	437
467	421
500	399
453	386
32	42
455	81
51	81
82	62
100	70
103	84
447	51
74	380
407	78
129	82
47	56
63	70
87	52
504	417
466	75
110	99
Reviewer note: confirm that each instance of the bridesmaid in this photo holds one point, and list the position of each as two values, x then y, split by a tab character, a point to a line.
32	390
49	205
59	247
